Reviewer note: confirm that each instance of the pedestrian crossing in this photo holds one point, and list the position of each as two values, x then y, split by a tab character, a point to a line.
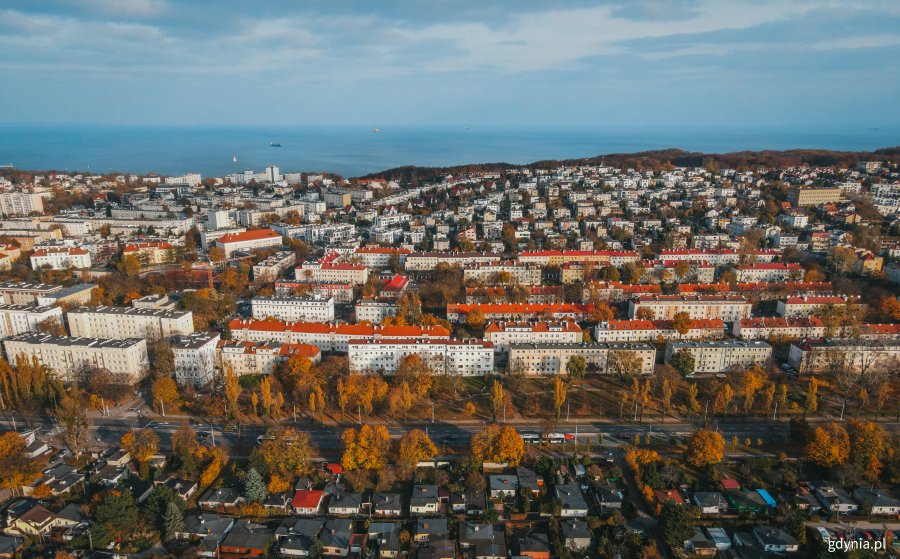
132	413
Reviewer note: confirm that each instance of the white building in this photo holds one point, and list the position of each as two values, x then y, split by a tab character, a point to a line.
698	307
491	273
274	266
331	270
376	257
18	319
129	322
20	203
722	356
248	241
60	258
650	330
310	309
261	358
68	357
769	271
375	310
424	261
818	356
552	359
455	357
809	305
341	292
195	358
502	334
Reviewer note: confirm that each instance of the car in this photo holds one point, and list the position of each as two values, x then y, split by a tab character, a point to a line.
721	375
203	435
570	436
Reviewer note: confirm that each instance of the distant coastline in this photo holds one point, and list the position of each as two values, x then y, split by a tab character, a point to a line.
356	151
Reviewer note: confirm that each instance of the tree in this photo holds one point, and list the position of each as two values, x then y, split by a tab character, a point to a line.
841	259
186	450
16	468
213	467
400	400
51	326
812	400
115	518
154	508
645	313
682	269
475	319
829	445
610	273
675	524
559	395
72	417
254	488
161	357
286	452
682	323
165	395
501	444
751	381
602	312
414	447
216	254
781	398
416	372
624	363
684	362
705	448
693	404
366	448
265	395
867	442
173	522
470	409
142	447
130	266
890	308
232	391
577	366
498	398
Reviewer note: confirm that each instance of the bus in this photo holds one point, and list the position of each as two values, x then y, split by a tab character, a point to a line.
531	438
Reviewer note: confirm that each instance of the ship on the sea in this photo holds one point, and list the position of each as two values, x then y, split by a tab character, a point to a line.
275	144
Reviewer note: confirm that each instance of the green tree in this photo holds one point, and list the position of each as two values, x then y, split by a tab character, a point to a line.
683	361
577	366
156	505
116	517
254	487
173	521
675	524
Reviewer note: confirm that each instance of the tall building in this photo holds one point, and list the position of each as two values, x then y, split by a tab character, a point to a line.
18	319
313	309
129	322
60	258
453	357
722	356
195	358
20	203
813	196
69	357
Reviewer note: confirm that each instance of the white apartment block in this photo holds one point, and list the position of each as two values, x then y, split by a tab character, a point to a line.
764	328
376	257
60	258
552	359
773	271
129	322
20	203
151	254
248	241
328	337
195	358
292	309
375	310
68	357
492	273
503	334
341	292
24	293
19	319
261	358
274	266
810	305
722	356
867	356
698	307
719	257
330	270
559	257
651	330
454	357
424	261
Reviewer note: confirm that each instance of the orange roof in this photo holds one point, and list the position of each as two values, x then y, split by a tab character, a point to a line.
361	330
248	236
71	251
781	322
138	246
771	266
307	498
636	324
577	253
565	325
819	300
522	308
397	283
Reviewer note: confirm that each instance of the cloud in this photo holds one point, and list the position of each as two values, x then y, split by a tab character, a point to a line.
859	42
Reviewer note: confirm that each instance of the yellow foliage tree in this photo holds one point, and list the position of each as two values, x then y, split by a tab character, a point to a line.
706	447
213	467
232	391
165	395
559	395
366	448
829	445
498	444
286	452
414	447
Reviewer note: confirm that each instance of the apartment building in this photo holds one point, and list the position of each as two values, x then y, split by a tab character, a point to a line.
503	273
521	311
597	257
502	334
328	337
60	258
151	253
68	357
538	294
195	358
765	328
330	269
698	307
128	322
342	293
617	292
20	203
717	257
763	291
379	258
722	356
274	266
552	359
769	272
261	358
310	308
824	355
426	261
454	357
650	330
247	241
698	270
809	305
813	196
18	319
375	309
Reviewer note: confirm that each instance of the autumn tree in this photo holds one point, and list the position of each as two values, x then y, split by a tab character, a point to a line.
366	448
624	363
165	395
400	400
265	395
187	452
559	395
232	391
705	448
142	446
867	444
498	398
215	461
414	447
683	361
693	404
501	444
71	415
645	313
475	319
16	467
751	381
682	323
576	367
416	372
285	452
829	445
812	399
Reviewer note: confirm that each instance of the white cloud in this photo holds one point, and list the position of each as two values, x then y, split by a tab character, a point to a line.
859	42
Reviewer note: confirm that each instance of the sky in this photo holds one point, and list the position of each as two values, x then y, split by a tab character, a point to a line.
520	63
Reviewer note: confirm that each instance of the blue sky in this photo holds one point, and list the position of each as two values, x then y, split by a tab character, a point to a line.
823	64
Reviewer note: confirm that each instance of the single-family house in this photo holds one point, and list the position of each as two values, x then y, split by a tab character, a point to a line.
307	502
571	500
534	544
387	504
424	500
246	539
503	485
220	498
208	529
575	534
345	503
482	541
877	502
835	499
335	537
428	529
296	537
710	502
775	540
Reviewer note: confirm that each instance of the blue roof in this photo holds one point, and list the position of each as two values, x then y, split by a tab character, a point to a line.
766	497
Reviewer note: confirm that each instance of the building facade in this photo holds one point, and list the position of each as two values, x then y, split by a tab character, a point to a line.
129	322
311	309
68	357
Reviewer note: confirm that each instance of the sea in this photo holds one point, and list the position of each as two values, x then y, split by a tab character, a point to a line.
352	151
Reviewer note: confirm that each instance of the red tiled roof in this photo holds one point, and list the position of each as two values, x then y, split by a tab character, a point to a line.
523	308
307	498
565	325
72	251
382	250
397	283
248	236
164	245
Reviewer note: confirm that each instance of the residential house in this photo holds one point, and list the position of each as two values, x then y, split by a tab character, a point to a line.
503	485
10	546
775	540
307	502
335	537
386	536
572	501
387	504
295	537
428	529
206	528
876	501
529	480
220	498
345	503
575	534
246	539
835	499
710	502
424	500
535	545
482	541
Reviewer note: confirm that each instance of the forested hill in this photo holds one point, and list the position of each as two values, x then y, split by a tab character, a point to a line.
660	158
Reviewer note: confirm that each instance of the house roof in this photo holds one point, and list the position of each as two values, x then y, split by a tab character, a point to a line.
307	498
244	236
